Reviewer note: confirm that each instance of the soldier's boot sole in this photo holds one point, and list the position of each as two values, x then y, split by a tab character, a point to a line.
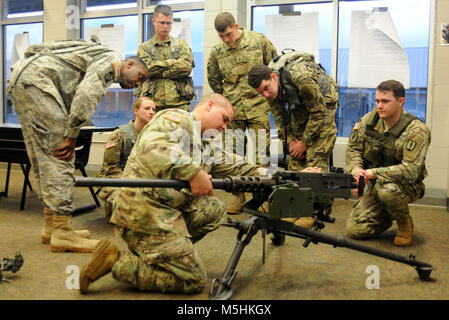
236	207
101	261
404	233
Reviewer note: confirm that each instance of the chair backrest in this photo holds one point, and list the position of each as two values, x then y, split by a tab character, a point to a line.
12	146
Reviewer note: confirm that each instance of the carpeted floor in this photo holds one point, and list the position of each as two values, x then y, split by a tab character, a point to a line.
290	272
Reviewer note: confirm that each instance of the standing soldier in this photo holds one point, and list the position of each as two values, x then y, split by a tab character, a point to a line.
55	90
304	99
119	146
388	148
170	63
227	73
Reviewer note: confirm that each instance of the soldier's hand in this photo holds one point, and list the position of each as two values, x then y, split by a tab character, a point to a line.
200	184
66	151
297	149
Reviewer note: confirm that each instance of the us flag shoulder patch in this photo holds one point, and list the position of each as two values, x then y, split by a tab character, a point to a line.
110	144
173	117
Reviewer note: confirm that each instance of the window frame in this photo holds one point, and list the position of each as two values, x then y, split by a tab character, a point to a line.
334	52
3	23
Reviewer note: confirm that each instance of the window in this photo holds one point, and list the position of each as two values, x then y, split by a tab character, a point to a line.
169	2
23	8
115	108
94	5
411	22
196	19
14	36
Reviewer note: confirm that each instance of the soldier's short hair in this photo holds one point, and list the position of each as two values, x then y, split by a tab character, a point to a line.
137	60
257	74
139	100
223	20
218	99
392	85
164	9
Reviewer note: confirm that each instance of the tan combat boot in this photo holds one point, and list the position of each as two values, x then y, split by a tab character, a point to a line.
404	234
305	222
47	228
100	263
64	238
237	206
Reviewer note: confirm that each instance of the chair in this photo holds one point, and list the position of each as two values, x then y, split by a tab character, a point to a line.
82	152
12	150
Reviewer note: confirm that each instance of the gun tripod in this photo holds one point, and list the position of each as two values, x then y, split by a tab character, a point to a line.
221	288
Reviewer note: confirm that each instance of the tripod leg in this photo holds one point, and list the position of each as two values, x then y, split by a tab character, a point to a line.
221	288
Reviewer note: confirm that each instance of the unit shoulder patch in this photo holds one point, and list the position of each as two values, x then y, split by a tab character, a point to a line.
410	146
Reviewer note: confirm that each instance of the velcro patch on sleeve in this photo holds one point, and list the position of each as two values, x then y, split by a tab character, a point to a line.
173	117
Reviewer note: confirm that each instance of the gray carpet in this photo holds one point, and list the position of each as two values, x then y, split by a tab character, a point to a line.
290	272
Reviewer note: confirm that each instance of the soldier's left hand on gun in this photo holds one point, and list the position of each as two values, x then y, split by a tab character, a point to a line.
297	149
200	184
66	151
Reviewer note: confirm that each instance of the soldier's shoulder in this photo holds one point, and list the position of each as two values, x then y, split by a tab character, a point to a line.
172	118
419	127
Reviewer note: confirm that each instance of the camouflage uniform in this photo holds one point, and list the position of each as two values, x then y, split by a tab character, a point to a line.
116	153
227	73
160	225
313	120
169	63
55	90
397	183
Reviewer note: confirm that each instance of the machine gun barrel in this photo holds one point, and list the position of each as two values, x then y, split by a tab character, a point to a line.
338	185
231	183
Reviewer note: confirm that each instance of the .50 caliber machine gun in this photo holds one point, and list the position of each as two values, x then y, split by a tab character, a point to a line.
286	194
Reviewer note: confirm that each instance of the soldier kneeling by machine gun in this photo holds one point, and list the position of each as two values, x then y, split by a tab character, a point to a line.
285	192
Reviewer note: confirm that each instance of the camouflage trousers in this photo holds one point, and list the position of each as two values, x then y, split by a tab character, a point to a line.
43	121
168	262
317	155
381	203
257	147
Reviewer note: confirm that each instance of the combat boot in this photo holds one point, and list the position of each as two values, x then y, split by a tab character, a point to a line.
100	263
237	206
305	222
404	234
64	238
47	228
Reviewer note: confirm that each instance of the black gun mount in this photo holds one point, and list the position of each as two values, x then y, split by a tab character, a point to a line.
286	194
12	265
